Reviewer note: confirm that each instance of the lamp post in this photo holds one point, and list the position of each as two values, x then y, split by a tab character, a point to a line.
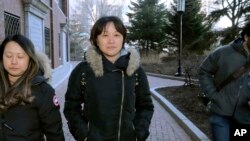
180	10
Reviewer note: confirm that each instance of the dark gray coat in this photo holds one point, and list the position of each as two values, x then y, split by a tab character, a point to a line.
116	97
234	96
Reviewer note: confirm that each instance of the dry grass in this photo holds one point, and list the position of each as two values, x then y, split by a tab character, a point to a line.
152	58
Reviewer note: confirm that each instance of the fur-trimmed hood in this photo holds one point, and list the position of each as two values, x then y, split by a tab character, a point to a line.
94	58
45	71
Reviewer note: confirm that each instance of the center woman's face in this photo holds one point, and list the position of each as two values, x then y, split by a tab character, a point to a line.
110	42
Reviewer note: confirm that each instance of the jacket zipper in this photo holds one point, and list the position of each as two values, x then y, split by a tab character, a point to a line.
121	108
88	131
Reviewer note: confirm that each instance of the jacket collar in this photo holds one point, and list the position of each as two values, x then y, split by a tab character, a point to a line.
94	58
39	78
238	46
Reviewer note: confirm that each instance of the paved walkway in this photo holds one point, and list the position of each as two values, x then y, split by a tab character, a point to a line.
163	126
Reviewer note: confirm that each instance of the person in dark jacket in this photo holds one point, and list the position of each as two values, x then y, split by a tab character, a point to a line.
29	109
232	102
113	88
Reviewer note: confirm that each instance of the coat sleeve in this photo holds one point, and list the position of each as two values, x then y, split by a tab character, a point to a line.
73	106
144	107
49	114
206	72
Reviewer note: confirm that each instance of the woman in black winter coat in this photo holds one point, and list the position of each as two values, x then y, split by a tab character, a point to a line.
113	88
29	109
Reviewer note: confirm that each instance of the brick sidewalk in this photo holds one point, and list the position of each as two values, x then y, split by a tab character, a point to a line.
163	126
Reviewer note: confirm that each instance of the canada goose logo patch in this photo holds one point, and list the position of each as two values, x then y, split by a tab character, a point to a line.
55	101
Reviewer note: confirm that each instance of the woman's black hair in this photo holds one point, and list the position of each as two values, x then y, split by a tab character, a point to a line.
100	25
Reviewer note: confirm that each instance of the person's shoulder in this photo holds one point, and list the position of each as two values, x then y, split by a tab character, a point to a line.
45	96
230	45
140	70
82	64
80	67
43	87
43	93
223	49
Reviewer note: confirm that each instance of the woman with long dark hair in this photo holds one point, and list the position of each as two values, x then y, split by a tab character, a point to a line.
29	110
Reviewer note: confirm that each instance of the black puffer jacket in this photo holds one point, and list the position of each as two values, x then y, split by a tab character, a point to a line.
116	97
233	97
31	122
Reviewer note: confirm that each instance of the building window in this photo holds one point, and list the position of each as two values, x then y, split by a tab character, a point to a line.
62	5
47	42
11	24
